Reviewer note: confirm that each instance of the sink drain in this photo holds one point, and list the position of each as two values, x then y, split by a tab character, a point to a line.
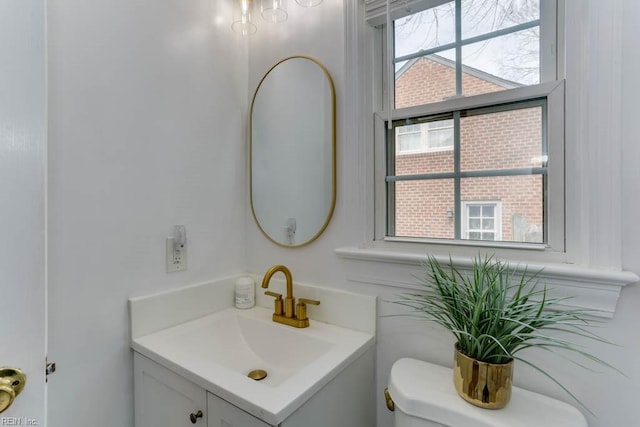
257	374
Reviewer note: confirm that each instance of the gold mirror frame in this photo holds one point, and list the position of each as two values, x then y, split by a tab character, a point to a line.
333	153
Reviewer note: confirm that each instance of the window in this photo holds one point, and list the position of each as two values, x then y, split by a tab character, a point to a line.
482	220
583	249
440	134
422	138
475	114
409	139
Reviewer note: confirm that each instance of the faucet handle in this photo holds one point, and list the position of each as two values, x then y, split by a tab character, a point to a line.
273	294
277	304
301	307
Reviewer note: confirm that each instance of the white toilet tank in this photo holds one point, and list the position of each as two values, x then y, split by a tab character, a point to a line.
424	396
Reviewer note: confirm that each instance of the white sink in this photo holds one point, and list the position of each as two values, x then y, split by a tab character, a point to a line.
219	350
247	340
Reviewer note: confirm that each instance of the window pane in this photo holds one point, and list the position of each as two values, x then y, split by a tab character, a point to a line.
505	62
521	205
408	129
408	143
425	30
481	17
425	80
441	138
424	162
504	140
424	209
408	139
488	224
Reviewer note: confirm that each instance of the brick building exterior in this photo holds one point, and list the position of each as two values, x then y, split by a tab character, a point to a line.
508	208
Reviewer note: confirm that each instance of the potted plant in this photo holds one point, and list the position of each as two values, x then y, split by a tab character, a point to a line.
495	313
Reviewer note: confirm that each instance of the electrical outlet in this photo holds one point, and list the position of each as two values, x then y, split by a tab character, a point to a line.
176	256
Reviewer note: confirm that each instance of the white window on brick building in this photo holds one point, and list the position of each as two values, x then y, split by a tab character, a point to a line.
475	113
481	220
424	137
409	139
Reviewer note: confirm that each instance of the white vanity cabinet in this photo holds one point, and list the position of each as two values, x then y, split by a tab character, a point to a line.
192	353
165	399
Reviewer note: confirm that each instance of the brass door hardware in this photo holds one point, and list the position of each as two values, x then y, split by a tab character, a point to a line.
297	319
387	397
12	381
49	369
194	417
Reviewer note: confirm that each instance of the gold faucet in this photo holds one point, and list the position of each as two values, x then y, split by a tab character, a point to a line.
286	315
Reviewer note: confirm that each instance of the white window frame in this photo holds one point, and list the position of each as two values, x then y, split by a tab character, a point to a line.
497	217
550	88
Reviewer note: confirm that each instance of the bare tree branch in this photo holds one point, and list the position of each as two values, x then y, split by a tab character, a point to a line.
516	55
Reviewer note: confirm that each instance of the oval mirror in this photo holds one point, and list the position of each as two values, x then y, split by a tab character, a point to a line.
293	151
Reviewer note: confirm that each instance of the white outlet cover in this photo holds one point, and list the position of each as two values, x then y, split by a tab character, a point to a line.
176	259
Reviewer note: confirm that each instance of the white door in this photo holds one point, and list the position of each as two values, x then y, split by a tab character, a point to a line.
22	204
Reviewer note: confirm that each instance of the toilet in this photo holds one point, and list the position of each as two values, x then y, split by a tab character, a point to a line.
424	396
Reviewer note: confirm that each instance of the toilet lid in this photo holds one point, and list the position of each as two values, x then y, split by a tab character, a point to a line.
425	390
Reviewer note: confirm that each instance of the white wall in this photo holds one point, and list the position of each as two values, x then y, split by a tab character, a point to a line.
609	395
147	104
624	328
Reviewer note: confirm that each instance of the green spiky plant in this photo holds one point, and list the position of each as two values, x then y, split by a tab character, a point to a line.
495	313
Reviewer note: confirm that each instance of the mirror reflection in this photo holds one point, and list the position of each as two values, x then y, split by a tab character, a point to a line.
292	151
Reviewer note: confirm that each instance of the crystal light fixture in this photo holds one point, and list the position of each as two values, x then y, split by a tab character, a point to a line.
242	18
274	10
271	10
308	3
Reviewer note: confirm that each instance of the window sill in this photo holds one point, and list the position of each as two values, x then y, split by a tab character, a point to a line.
586	288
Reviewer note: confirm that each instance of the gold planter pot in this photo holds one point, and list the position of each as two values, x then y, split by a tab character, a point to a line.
487	385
